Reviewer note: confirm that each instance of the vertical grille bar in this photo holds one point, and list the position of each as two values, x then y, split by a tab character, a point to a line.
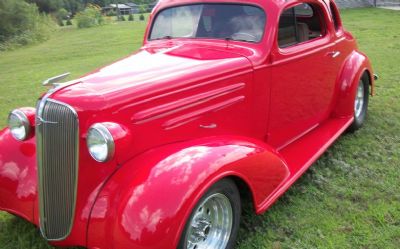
57	132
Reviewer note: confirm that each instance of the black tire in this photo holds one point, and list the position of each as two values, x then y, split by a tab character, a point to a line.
359	119
227	188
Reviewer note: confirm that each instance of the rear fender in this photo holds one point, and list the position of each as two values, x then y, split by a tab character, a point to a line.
354	68
146	202
18	175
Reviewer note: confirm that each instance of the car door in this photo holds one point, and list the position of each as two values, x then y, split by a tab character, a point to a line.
303	73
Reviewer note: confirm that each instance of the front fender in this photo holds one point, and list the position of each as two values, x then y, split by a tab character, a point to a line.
354	67
18	175
146	202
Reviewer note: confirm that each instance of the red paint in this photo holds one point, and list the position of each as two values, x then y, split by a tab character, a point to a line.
274	112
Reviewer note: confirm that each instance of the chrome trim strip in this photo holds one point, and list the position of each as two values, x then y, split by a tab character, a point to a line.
188	117
39	144
167	109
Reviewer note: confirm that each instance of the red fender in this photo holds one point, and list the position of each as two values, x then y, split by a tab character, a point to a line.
354	67
146	203
18	175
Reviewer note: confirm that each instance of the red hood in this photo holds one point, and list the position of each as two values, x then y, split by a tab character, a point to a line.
157	69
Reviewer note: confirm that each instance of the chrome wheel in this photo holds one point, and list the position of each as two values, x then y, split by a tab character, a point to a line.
359	102
211	224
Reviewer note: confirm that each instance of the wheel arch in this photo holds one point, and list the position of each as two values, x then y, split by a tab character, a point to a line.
139	191
354	68
245	191
371	80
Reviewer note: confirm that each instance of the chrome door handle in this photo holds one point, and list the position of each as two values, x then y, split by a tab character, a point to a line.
209	126
334	54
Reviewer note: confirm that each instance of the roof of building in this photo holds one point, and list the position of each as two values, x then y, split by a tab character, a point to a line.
132	4
120	6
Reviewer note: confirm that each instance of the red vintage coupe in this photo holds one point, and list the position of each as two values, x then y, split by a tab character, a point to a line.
227	101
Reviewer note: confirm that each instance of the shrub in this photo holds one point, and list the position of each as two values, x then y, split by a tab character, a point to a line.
111	13
21	24
61	15
89	17
143	8
141	17
69	22
130	17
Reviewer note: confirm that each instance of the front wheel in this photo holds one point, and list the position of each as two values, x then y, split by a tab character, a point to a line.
360	104
214	222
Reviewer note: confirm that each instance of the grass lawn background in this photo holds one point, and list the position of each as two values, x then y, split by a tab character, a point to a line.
350	198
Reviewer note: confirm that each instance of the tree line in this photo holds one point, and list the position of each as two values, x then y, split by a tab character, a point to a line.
25	22
74	6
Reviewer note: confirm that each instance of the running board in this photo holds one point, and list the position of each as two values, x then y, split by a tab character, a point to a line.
302	153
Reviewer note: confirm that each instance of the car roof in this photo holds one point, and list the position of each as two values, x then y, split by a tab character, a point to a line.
262	3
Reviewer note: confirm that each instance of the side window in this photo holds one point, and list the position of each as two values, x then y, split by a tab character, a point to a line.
287	28
299	24
335	16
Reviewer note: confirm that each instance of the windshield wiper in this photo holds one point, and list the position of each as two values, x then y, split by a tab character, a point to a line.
167	37
232	39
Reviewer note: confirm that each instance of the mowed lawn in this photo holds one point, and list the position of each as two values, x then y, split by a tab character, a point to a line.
350	198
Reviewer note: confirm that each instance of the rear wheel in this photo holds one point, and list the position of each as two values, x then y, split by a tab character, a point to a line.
214	222
360	104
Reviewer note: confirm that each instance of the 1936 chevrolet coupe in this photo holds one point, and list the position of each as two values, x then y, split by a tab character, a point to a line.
226	102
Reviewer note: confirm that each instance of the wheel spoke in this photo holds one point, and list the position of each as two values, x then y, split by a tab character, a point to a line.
211	225
359	101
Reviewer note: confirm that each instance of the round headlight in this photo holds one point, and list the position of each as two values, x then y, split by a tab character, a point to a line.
19	125
100	143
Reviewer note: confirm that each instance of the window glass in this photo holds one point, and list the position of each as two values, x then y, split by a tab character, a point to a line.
300	24
287	28
218	21
334	16
304	10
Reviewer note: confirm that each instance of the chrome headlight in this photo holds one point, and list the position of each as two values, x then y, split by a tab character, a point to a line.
100	143
19	125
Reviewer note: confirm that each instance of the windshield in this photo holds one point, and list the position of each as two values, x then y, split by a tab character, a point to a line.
215	21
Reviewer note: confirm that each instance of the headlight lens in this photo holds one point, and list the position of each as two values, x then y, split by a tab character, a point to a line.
100	143
19	125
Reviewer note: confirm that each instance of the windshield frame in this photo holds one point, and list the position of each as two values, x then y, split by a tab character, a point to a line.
153	20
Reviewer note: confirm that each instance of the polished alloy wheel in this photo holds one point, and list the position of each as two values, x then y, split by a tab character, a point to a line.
211	225
359	102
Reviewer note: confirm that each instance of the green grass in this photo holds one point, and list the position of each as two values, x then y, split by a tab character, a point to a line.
350	198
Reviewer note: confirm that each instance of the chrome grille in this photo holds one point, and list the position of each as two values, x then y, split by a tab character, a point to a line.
57	132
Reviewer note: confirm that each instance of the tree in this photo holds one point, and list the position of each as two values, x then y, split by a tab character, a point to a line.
143	8
21	23
17	17
74	6
47	5
89	17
